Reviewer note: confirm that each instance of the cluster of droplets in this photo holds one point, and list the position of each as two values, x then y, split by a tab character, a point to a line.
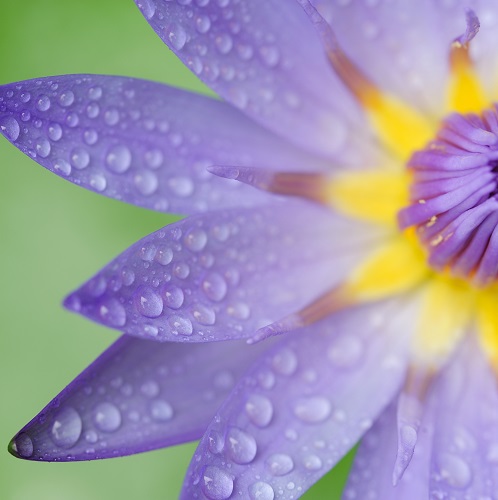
286	402
134	399
199	279
118	137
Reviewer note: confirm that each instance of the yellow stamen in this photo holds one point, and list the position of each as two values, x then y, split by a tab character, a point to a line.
487	322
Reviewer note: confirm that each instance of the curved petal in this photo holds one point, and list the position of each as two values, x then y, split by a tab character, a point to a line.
137	396
374	463
465	451
404	46
271	66
224	274
141	142
302	407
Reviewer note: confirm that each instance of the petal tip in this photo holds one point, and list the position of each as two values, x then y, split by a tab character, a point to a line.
21	446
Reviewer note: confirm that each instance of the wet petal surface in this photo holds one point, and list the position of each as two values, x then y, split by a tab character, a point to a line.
137	396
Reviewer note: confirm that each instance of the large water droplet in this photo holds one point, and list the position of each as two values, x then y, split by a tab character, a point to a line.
92	110
66	98
172	296
312	462
66	428
164	255
181	186
216	483
204	315
118	159
146	182
161	410
95	93
195	240
261	491
154	158
313	409
107	417
215	287
150	388
148	7
10	127
80	158
22	445
240	446
43	103
285	362
279	464
176	35
54	132
148	302
454	471
259	409
180	325
62	167
112	312
224	43
111	117
202	24
42	147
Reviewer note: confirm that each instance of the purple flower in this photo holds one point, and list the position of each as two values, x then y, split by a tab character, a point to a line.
335	278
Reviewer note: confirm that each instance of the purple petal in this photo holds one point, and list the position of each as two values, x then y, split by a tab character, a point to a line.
372	469
273	67
137	396
465	451
141	142
404	46
224	274
302	407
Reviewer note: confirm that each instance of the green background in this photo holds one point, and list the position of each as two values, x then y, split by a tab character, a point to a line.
54	235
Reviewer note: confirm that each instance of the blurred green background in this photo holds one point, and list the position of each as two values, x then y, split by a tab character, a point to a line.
54	235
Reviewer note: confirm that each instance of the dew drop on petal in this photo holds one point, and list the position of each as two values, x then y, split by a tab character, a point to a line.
80	158
148	302
148	7
54	132
66	98
261	491
172	296
204	315
216	443
195	240
279	464
216	484
259	409
180	325
107	417
312	410
112	312
240	446
43	103
146	182
161	410
150	388
10	127
66	428
285	362
345	352
22	445
176	35
214	286
118	159
454	471
312	462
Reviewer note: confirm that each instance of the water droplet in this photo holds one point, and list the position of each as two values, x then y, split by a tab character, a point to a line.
216	443
172	296
216	483
181	186
180	325
161	410
95	93
10	127
90	136
22	445
266	379
454	471
239	310
195	240
176	35
92	110
270	55
148	252
285	362
148	302
43	103
42	147
312	462
204	315
154	158
25	97
146	182
345	352
279	464
66	428
164	255
259	409
25	116
66	98
111	117
261	491
240	446
181	270
107	417
202	24
112	313
215	287
224	43
148	7
91	437
150	388
54	132
128	276
118	159
313	409
62	167
80	158
98	182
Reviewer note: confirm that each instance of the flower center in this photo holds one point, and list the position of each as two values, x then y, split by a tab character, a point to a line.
454	197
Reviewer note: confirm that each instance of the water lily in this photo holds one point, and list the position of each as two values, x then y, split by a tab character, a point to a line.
335	278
